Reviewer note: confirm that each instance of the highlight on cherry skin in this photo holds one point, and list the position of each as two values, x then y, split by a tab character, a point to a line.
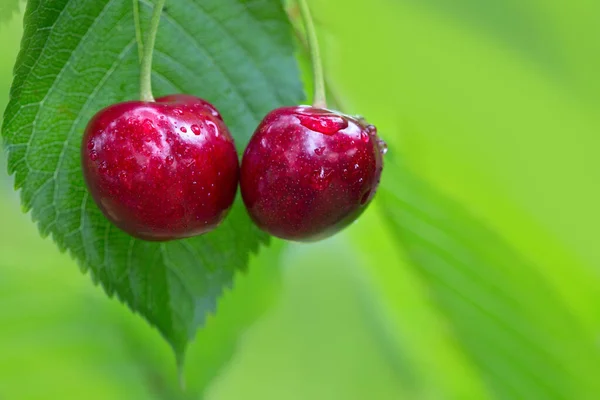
309	172
161	170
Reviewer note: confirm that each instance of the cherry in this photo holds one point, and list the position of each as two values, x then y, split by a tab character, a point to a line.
161	170
308	172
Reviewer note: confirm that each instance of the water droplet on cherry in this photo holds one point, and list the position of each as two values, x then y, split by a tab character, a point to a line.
183	129
364	136
320	150
321	178
196	129
212	128
323	123
383	147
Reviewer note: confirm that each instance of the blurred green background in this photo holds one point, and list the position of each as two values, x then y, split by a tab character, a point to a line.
474	274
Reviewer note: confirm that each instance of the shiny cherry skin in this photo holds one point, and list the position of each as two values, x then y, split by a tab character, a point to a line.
161	170
309	172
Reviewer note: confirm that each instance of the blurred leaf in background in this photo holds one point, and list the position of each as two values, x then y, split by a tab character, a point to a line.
8	10
474	275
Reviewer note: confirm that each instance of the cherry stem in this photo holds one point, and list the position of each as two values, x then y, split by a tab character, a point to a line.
319	98
138	29
146	63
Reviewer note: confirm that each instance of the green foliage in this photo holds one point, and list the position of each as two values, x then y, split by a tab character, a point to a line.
8	9
486	271
79	56
473	275
506	315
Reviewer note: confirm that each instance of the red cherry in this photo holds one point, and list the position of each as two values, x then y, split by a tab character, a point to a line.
309	172
161	170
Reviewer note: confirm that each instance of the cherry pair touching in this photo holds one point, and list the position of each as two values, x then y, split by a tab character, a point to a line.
167	168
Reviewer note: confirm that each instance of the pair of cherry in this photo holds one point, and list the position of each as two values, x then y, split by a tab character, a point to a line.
169	169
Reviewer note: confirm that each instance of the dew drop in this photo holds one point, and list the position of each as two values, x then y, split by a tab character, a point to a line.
320	150
321	178
148	125
196	129
93	155
371	130
169	160
383	148
364	136
212	128
356	166
91	145
323	123
103	167
178	111
183	129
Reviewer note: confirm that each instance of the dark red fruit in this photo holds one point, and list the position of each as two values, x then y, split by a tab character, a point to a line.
309	172
161	170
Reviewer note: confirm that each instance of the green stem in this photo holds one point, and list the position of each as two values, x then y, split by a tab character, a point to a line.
138	29
319	98
146	64
181	371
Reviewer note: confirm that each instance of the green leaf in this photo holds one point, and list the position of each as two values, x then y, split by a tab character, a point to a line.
79	56
509	318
